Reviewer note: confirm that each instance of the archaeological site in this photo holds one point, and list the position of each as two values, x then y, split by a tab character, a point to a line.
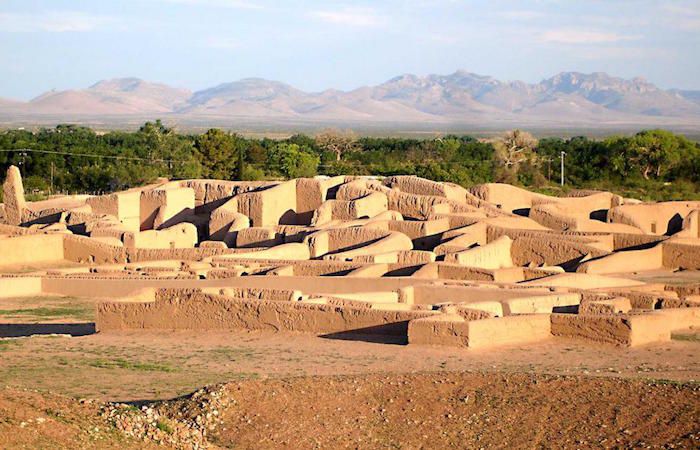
401	258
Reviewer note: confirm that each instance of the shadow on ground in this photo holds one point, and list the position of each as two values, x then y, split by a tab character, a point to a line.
31	329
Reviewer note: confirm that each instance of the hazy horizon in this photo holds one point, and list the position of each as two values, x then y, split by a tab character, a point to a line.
314	45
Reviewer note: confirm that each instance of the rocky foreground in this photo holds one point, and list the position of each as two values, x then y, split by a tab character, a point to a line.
426	410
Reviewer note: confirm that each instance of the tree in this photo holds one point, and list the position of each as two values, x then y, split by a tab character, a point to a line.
218	154
653	152
336	142
293	161
513	149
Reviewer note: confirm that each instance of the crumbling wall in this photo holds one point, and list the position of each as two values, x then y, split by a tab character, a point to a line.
258	237
494	255
311	193
416	185
683	253
629	330
653	218
194	310
453	330
183	235
225	222
625	261
507	197
125	206
162	208
270	206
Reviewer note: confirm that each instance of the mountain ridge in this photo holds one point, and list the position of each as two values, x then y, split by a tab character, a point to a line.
459	97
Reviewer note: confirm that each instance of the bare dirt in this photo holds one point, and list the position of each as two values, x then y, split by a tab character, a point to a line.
304	391
460	410
419	410
31	419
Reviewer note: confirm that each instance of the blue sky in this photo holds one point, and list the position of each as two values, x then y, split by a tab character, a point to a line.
314	44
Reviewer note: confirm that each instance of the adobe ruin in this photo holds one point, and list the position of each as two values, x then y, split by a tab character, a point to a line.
420	261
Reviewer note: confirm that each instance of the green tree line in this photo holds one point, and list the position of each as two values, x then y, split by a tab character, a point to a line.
652	164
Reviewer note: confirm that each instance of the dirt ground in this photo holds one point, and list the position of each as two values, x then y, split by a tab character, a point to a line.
460	410
30	419
556	393
419	410
152	366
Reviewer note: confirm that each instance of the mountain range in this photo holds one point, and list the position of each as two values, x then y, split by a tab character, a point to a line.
565	99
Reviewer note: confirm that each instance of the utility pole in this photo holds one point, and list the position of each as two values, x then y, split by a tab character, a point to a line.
52	168
562	155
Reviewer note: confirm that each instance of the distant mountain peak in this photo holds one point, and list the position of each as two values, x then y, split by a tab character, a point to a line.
459	97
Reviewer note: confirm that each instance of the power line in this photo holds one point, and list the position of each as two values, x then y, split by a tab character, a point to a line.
90	155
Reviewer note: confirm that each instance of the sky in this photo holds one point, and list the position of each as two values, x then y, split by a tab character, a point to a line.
319	44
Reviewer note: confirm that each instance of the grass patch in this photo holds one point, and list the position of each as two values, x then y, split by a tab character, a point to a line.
50	312
164	427
233	353
120	363
6	344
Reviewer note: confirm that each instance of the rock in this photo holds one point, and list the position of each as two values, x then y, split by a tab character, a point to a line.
13	192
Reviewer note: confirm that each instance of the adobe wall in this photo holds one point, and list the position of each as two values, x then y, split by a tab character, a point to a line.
653	218
494	255
626	261
416	185
85	250
681	254
189	309
452	330
443	329
292	251
182	235
315	268
584	281
215	191
393	241
507	197
429	294
281	295
413	206
258	237
20	286
342	239
125	206
623	241
621	329
307	284
165	207
447	271
31	249
425	234
541	304
311	193
550	251
691	225
270	206
225	221
513	330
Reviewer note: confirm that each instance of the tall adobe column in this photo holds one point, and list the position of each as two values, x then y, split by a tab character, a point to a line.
13	192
